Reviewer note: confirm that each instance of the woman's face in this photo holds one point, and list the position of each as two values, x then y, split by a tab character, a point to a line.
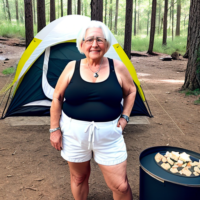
94	48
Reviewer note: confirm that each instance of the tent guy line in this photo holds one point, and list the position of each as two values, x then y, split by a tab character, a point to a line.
163	108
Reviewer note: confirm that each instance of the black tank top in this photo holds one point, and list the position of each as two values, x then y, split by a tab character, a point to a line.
88	101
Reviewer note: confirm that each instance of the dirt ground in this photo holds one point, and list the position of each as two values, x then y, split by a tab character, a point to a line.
31	169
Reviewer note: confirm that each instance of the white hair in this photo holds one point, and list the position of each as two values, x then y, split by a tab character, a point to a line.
93	24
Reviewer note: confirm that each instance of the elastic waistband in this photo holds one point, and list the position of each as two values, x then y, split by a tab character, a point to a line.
88	122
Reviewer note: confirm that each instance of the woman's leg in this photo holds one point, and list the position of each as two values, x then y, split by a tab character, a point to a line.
116	179
79	174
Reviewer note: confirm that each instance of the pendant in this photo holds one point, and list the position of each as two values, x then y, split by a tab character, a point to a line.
96	75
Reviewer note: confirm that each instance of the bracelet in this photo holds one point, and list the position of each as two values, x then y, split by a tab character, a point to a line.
54	129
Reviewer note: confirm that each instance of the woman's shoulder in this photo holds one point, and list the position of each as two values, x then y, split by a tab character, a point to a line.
119	65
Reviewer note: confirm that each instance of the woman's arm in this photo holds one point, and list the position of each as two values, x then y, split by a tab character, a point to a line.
129	90
56	105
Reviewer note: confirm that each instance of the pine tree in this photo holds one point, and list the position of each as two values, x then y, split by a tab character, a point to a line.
128	28
192	75
165	24
153	26
28	21
52	10
41	14
69	7
97	10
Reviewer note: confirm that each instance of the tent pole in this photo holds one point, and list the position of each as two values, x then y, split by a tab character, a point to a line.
2	117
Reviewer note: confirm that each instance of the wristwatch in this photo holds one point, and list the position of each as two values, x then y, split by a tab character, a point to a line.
125	117
54	129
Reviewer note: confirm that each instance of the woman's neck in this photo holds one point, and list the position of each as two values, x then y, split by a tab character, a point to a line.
94	62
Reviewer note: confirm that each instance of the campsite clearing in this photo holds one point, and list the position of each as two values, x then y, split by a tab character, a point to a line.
32	169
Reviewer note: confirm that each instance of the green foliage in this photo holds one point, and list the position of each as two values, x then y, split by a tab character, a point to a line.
141	43
13	29
8	71
187	92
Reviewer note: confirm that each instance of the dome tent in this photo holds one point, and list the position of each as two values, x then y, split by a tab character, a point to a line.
44	60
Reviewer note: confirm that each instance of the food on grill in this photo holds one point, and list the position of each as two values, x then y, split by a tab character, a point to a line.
168	154
189	164
164	159
175	155
170	161
196	169
196	174
195	163
186	171
184	157
178	163
165	166
184	165
174	170
158	157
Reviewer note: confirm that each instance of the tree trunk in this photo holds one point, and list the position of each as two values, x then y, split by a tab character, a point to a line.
79	7
116	15
192	75
52	10
172	11
128	28
97	10
16	8
41	14
178	18
69	6
28	21
8	10
153	26
135	19
110	15
165	24
159	17
61	7
34	12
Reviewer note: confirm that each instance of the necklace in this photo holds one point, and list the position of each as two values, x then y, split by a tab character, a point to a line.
96	75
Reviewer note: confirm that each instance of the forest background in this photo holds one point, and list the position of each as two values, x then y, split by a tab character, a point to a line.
12	21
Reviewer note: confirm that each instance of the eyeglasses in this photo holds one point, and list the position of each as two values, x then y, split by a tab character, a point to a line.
90	40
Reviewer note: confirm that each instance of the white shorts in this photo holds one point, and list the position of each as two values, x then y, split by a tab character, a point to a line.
80	138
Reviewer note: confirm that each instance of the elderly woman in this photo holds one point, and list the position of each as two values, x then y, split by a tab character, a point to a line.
86	116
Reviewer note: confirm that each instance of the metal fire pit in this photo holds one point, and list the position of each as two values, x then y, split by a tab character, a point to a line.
158	184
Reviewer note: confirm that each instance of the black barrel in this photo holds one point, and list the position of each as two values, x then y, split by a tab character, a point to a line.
158	184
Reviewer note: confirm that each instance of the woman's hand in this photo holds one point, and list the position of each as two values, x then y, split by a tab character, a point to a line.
121	122
56	140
